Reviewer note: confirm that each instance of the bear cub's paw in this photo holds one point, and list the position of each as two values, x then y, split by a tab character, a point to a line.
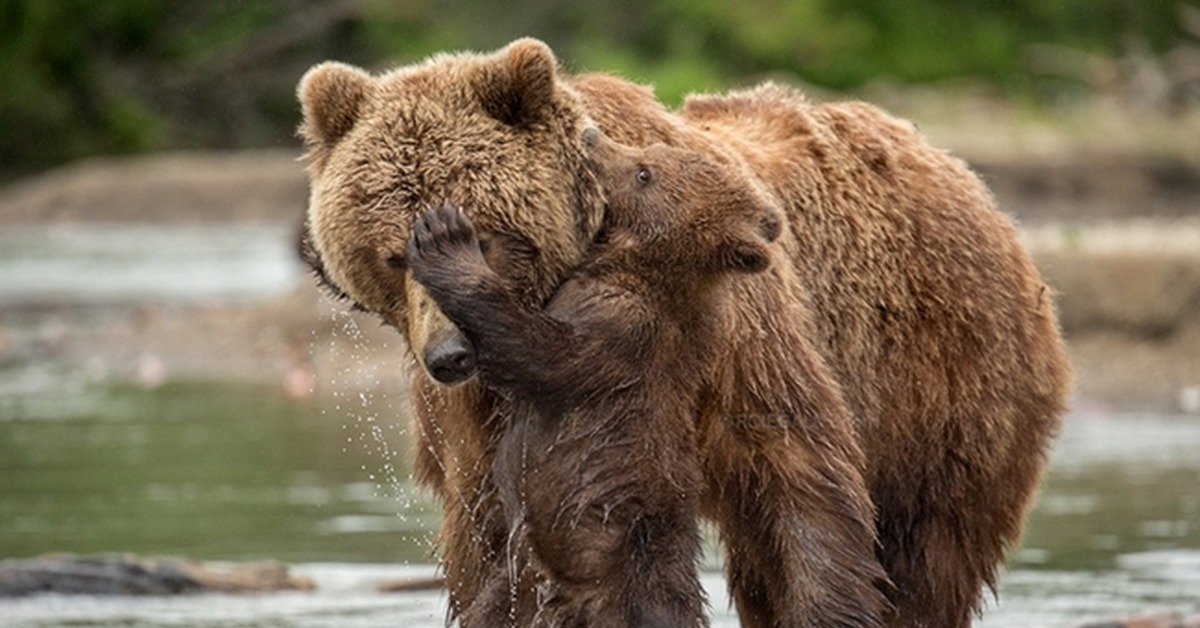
444	248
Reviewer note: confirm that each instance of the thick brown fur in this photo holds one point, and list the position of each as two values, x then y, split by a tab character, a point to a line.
905	317
600	479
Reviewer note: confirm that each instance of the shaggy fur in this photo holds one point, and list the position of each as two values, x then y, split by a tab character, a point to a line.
923	332
600	481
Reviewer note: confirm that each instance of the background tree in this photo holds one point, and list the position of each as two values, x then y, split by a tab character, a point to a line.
122	76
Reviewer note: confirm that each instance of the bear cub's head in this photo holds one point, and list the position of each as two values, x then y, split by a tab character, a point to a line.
683	206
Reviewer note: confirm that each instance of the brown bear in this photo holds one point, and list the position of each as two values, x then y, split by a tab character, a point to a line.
610	371
904	291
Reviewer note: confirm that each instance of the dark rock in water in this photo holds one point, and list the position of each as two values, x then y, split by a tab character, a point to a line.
128	574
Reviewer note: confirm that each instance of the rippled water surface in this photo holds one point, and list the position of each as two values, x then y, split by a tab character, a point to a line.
234	472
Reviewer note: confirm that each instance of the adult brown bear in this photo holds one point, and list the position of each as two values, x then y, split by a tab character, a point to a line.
908	288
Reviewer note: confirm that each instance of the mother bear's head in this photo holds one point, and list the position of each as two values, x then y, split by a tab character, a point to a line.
498	134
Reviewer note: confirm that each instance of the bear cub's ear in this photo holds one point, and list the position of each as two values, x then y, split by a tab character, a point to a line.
751	255
746	257
517	87
331	95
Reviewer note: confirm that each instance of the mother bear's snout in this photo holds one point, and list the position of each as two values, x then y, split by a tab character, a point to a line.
449	359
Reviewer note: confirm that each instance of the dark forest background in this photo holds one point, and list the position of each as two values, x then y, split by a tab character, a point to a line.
87	77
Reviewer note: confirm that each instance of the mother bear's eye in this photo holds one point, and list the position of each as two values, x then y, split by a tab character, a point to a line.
642	175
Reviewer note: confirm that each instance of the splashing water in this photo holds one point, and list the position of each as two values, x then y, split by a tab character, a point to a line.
361	401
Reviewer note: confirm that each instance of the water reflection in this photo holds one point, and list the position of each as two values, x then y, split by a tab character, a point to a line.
1117	485
203	470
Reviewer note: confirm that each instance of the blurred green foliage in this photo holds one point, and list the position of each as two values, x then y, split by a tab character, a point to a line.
85	77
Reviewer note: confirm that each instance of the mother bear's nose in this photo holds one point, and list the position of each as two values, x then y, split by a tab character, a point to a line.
450	360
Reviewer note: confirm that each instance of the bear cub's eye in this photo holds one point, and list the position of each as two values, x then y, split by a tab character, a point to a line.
642	175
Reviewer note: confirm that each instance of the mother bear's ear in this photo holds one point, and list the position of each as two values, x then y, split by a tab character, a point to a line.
331	95
517	86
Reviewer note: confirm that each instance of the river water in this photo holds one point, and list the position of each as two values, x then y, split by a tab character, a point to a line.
236	471
98	263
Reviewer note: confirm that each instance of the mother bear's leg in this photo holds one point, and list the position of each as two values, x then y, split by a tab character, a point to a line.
942	543
784	472
797	524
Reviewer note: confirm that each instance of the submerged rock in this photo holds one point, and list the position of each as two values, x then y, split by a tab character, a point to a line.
129	574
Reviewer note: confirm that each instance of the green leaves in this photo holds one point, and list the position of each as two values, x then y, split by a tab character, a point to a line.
82	77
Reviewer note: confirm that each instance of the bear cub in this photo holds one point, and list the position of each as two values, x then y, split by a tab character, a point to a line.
598	471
